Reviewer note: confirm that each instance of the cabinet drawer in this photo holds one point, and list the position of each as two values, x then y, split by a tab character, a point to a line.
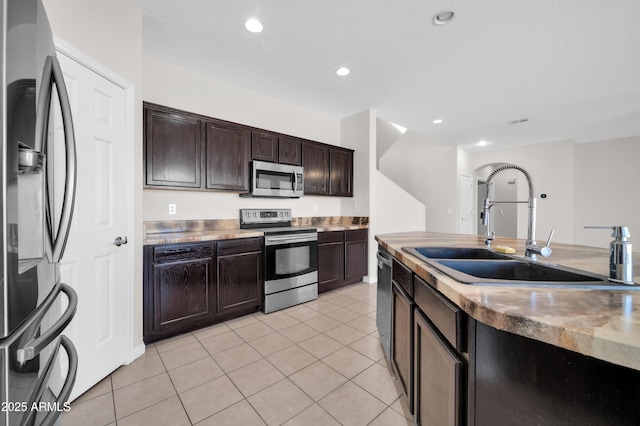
173	252
356	235
240	245
402	275
447	317
330	237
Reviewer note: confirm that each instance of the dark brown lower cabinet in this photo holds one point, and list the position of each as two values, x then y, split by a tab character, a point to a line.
342	258
330	260
239	272
356	255
438	372
192	285
456	370
402	340
179	287
518	381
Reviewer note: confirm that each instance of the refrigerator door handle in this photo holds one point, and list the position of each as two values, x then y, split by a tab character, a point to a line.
66	216
31	348
44	106
37	389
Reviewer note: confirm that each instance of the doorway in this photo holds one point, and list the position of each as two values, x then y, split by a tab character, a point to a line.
98	270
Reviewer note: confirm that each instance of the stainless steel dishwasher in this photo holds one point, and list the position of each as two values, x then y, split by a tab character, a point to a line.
383	310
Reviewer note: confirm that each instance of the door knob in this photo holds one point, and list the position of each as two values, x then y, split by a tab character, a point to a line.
119	241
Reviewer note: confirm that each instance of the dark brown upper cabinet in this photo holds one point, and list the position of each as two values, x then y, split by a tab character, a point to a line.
340	172
290	151
264	146
194	152
173	146
315	160
228	156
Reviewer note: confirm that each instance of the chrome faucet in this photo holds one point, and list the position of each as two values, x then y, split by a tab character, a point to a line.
532	249
620	254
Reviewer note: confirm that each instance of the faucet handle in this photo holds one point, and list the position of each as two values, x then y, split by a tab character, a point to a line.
549	239
546	250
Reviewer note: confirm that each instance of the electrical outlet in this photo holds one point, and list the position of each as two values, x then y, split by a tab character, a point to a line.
353	204
172	209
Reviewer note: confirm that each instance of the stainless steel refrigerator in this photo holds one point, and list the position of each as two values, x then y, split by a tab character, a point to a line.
37	184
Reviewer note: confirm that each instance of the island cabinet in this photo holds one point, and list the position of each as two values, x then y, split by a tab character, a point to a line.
456	370
342	258
192	285
428	341
439	341
515	380
402	328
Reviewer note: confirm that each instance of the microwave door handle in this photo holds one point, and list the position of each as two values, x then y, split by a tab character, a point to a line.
68	202
295	181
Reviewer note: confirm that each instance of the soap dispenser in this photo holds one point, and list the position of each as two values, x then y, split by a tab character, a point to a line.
620	254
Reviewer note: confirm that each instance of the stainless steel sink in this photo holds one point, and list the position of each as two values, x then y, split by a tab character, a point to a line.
455	253
477	266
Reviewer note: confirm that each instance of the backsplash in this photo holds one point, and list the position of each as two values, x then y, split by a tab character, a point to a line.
169	226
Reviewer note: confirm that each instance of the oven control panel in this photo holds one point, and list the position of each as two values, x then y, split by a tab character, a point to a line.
264	217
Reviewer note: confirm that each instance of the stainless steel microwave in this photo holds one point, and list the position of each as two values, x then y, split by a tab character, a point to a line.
276	180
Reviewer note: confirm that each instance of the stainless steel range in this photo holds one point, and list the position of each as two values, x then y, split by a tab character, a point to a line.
291	257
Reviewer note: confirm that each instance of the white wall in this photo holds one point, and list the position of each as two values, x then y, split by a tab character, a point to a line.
177	87
427	169
396	210
358	133
606	186
355	134
111	34
551	167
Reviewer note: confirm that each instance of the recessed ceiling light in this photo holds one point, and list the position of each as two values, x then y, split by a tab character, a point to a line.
443	17
438	121
253	25
342	71
482	143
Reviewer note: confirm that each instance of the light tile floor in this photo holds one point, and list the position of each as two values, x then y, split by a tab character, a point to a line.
319	363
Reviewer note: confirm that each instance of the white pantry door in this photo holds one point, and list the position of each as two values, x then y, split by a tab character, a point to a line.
92	264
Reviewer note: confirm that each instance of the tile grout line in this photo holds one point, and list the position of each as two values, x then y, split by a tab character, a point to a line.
259	318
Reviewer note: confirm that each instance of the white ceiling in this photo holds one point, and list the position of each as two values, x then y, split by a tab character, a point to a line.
572	67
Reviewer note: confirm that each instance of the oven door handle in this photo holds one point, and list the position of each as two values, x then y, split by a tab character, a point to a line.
272	240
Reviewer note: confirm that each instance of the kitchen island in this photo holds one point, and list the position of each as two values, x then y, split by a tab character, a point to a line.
533	355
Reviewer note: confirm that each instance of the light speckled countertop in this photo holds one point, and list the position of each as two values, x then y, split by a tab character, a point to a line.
604	324
172	232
